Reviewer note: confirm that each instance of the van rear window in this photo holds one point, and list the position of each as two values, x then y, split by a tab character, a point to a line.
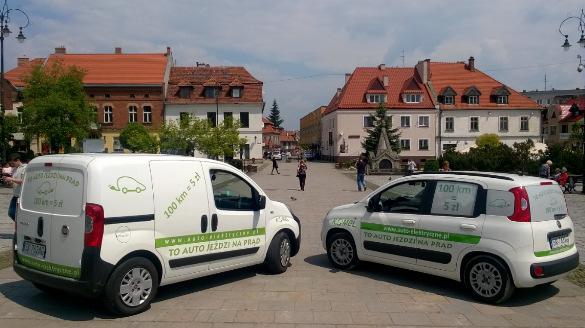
547	202
53	190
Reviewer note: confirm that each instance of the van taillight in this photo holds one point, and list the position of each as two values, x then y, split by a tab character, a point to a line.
521	205
94	225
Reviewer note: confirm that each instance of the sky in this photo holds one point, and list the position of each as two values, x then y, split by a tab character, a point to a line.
301	49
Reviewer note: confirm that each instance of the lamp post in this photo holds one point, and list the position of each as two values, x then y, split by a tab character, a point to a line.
5	32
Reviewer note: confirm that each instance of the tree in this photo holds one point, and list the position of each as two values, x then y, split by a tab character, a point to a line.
522	154
55	105
135	137
222	140
381	121
491	139
274	115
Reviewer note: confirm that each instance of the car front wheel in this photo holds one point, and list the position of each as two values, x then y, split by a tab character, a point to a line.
341	251
488	280
278	256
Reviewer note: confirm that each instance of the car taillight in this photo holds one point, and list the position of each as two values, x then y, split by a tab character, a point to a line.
94	225
521	205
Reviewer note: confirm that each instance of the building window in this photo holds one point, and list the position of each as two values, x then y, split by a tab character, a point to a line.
473	100
405	144
228	115
330	138
211	92
245	119
107	96
183	118
147	114
524	123
423	121
376	98
118	145
564	128
548	101
553	130
404	121
448	100
19	112
412	98
423	144
449	124
132	114
146	95
539	101
132	95
108	114
368	121
504	124
474	124
236	92
502	99
211	117
185	92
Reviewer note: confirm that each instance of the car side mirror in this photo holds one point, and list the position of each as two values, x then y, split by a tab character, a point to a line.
373	205
260	202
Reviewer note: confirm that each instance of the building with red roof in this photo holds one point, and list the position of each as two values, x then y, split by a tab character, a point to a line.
561	119
270	137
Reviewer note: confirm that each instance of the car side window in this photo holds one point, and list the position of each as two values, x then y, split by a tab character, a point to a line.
230	192
454	198
404	198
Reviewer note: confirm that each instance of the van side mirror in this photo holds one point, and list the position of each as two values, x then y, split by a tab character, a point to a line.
260	202
373	205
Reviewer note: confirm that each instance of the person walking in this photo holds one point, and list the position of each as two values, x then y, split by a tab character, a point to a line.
274	166
16	181
302	174
445	167
360	165
410	167
545	169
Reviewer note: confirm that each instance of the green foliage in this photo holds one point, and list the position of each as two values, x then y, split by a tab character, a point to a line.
381	121
11	126
431	165
490	139
576	132
274	115
567	156
55	105
522	154
135	137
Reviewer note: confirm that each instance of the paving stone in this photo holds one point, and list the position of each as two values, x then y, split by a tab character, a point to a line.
367	318
216	315
294	317
332	317
413	319
255	316
448	320
488	320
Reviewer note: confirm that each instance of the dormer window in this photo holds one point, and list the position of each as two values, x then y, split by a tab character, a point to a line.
412	98
502	99
185	92
376	98
236	92
448	100
471	95
211	92
473	100
500	95
447	96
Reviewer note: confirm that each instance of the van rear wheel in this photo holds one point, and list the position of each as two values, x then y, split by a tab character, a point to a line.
131	287
278	256
488	280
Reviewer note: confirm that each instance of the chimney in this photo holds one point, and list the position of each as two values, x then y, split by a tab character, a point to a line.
21	61
381	67
347	76
385	80
422	67
60	50
117	50
338	92
168	51
471	64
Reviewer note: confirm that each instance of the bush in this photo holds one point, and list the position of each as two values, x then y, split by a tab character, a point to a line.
431	165
237	163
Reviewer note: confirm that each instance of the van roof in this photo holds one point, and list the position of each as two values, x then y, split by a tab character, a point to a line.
88	157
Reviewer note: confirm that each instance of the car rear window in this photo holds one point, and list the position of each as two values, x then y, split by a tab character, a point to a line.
547	202
53	190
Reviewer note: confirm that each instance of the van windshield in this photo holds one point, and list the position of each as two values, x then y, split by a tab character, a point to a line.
547	202
53	190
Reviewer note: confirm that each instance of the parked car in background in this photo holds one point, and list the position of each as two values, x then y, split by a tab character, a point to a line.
309	154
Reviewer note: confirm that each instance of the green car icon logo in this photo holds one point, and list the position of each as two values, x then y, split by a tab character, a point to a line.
45	188
127	184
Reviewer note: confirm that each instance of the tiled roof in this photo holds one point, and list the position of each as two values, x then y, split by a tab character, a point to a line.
353	94
459	77
17	75
107	69
287	136
227	76
566	116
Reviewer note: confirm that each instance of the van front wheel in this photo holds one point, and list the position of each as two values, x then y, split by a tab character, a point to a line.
131	287
278	256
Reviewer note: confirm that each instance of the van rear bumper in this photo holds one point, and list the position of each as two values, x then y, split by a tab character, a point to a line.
556	267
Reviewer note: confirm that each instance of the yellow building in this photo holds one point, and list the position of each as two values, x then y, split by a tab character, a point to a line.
310	132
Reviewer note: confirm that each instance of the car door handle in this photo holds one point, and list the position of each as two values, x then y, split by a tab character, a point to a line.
466	226
203	223
214	222
409	222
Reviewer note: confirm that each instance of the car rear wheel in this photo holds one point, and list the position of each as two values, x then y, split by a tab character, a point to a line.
341	251
278	256
132	286
488	280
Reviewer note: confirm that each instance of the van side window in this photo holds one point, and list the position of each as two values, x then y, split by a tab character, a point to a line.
231	192
454	198
404	198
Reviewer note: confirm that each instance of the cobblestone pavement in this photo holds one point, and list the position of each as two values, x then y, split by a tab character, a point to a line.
310	293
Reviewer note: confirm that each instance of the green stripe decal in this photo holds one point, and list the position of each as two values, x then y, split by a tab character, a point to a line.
56	269
553	251
430	234
205	237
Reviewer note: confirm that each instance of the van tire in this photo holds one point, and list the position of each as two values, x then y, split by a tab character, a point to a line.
136	272
278	255
493	272
341	251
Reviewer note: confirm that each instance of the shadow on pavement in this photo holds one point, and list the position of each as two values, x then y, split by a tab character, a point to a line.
433	284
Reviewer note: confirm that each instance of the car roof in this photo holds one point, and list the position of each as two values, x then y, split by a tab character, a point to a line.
485	176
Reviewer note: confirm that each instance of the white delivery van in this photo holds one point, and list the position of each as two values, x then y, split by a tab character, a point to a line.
118	226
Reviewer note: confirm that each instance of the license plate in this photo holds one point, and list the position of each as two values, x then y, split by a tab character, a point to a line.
32	249
560	241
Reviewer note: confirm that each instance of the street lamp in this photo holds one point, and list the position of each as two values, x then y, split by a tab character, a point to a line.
5	32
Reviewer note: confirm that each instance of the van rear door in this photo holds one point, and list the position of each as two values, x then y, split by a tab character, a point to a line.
552	228
50	222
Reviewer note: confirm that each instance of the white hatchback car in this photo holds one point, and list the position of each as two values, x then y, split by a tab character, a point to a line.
491	231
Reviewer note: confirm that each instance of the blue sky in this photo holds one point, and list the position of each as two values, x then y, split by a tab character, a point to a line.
301	49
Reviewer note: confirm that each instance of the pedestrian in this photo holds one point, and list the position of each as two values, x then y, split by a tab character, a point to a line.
557	174
302	174
274	166
445	167
545	169
563	177
360	165
410	167
16	181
